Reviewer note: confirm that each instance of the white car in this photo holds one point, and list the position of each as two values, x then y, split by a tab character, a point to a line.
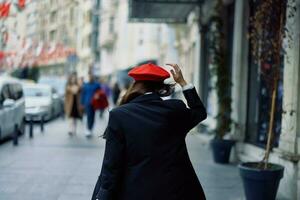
58	84
41	100
12	107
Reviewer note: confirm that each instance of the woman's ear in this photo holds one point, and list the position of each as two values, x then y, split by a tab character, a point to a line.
166	91
162	92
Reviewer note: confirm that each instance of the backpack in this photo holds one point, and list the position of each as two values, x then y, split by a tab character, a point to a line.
99	100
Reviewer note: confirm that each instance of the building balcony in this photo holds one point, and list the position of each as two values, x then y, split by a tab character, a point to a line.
108	41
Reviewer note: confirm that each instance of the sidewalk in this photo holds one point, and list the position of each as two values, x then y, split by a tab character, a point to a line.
220	182
54	166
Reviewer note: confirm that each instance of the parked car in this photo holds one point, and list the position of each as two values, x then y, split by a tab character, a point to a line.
12	107
41	100
58	83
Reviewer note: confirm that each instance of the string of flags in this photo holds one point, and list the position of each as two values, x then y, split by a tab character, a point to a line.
36	54
5	6
29	53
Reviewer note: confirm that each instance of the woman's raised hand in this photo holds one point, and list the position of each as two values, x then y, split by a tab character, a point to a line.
177	75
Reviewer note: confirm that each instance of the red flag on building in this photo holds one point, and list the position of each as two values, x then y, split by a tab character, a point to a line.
2	55
21	4
4	9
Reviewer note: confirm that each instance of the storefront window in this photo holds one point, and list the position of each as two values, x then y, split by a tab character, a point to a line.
260	97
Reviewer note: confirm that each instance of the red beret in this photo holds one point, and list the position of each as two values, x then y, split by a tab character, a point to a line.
149	72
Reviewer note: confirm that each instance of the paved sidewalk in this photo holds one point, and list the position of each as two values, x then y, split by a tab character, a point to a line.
54	166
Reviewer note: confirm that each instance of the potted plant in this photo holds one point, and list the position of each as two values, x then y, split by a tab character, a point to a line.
221	147
266	33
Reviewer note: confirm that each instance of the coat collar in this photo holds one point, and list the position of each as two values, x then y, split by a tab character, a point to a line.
146	97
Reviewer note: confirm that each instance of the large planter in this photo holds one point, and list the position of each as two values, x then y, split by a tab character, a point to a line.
221	150
260	184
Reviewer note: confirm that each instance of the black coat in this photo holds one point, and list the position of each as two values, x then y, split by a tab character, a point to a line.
145	155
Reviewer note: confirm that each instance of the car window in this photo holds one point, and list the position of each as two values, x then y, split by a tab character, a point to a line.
36	92
12	92
1	99
54	91
19	90
4	94
16	91
57	83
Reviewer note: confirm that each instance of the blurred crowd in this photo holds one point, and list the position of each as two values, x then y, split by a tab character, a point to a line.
86	97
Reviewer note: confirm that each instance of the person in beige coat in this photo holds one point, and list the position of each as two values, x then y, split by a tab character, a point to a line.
73	108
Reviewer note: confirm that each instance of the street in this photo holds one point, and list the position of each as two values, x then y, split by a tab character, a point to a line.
55	166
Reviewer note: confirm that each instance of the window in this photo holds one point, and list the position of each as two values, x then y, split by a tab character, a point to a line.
89	40
36	92
1	101
4	93
53	16
15	91
54	91
259	99
111	24
89	16
53	35
43	36
53	2
71	16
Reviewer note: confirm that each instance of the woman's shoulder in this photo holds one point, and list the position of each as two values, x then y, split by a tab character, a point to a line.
119	109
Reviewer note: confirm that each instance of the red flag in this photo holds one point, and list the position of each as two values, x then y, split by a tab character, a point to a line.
4	9
2	55
21	4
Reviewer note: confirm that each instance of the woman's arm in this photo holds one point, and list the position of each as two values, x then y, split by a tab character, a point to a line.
113	163
196	111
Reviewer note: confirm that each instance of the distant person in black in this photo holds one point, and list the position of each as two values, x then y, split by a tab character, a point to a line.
146	156
115	93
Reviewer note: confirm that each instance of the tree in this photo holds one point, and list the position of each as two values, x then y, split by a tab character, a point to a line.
267	33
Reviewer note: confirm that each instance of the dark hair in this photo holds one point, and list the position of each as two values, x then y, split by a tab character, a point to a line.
70	78
139	88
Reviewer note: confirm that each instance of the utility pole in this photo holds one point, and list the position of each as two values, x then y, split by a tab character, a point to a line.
96	30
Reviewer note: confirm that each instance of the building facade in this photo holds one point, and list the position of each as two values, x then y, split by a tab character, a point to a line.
124	45
249	100
50	23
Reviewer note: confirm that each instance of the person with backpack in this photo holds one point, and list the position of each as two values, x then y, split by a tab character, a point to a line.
87	93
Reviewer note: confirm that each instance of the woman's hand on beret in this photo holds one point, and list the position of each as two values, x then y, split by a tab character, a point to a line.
177	75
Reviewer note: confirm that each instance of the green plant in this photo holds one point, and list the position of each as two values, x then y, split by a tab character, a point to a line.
220	69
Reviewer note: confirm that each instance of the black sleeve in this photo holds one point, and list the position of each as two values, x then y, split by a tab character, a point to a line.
112	168
196	111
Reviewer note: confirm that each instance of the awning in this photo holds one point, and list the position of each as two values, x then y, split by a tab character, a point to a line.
161	11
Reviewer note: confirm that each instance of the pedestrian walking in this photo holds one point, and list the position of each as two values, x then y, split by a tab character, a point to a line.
100	101
115	93
72	104
87	94
103	97
146	156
